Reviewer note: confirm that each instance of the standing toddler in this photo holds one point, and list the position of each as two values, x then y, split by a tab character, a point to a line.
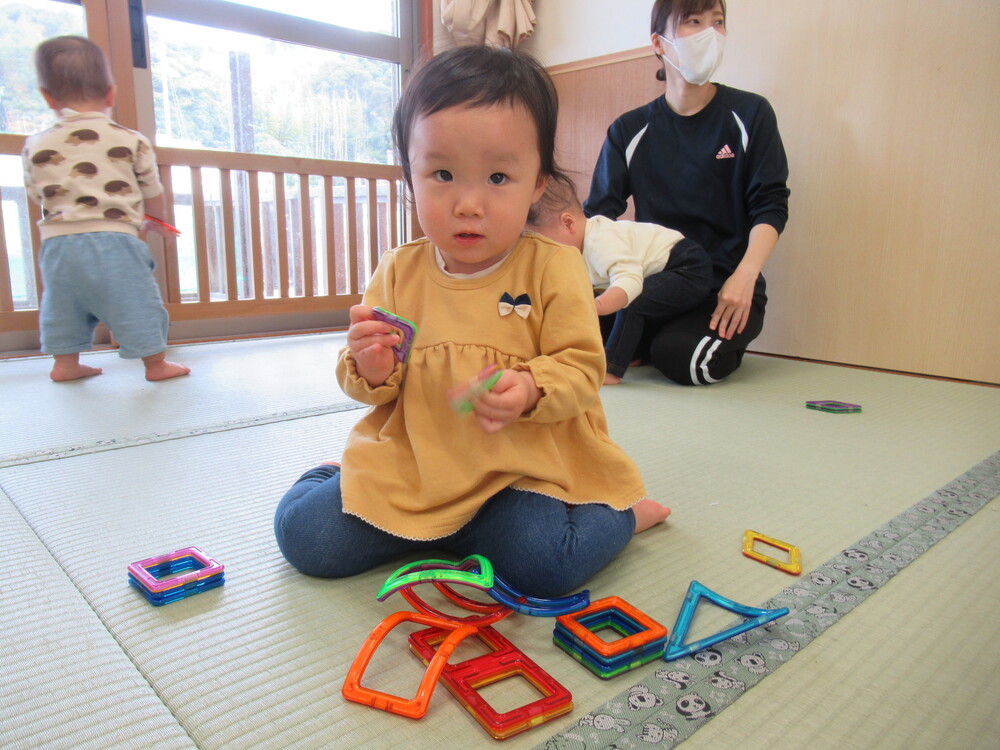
96	181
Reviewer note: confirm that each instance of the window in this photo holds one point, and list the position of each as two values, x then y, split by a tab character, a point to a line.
371	15
292	78
237	92
23	24
255	89
274	83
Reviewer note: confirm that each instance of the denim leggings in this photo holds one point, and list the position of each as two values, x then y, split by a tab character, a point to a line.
541	546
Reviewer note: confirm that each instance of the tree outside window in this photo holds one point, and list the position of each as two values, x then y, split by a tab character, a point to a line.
236	92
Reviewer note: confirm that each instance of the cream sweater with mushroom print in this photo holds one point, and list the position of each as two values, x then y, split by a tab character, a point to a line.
89	174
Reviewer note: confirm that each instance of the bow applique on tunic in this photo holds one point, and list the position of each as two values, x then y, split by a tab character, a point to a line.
520	305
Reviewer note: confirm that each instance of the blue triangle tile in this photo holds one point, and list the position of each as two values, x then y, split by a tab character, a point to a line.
676	648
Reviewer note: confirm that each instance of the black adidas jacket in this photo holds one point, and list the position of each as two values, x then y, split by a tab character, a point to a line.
711	176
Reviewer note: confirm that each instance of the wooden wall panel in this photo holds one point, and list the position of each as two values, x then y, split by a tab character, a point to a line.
591	96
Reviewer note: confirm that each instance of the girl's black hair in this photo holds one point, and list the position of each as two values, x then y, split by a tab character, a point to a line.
479	76
665	11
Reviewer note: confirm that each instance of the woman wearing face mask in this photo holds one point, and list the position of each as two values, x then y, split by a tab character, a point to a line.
707	160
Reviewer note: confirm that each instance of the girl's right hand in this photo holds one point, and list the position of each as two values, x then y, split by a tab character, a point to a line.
514	395
371	344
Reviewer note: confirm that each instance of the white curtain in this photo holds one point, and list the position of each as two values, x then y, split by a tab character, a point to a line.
502	23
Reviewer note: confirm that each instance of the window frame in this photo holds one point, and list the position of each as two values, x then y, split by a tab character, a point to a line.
286	28
400	50
113	26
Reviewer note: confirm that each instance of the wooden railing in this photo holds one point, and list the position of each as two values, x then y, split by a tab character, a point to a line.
261	235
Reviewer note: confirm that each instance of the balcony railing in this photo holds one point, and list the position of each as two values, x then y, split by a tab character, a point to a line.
260	235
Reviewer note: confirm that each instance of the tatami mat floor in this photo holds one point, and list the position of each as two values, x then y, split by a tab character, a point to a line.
249	380
99	473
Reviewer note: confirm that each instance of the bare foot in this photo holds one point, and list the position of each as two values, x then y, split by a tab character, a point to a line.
610	379
648	513
64	371
164	370
635	363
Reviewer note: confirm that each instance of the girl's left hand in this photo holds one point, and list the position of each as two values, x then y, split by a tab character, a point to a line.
514	394
733	310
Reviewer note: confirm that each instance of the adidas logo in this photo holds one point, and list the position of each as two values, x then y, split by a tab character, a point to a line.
725	153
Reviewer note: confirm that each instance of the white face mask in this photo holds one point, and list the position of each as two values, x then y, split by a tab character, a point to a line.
699	54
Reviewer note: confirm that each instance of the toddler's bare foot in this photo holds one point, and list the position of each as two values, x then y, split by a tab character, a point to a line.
648	513
64	371
164	370
635	363
610	379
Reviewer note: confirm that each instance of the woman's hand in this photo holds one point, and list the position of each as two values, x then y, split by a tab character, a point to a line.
736	296
514	394
733	310
371	342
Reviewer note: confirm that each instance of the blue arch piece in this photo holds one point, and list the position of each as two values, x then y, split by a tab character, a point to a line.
506	594
676	648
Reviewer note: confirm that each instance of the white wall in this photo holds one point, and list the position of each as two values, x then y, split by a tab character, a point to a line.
571	30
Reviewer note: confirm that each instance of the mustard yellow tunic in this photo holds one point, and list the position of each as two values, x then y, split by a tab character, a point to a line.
415	468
